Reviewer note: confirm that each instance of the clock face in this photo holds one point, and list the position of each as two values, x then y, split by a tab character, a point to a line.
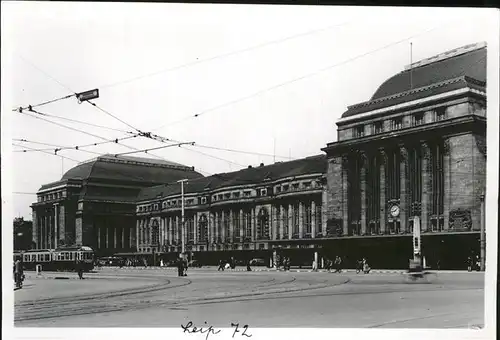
395	210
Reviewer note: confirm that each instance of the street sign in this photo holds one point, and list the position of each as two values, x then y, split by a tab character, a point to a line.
87	95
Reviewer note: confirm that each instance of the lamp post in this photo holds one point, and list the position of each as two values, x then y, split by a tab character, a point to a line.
182	215
482	244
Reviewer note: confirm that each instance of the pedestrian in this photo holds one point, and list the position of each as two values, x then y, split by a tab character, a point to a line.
248	266
18	274
185	267
366	267
221	265
337	264
359	266
79	269
469	263
180	266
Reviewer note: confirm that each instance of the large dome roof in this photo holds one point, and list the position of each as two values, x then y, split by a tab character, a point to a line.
468	62
136	169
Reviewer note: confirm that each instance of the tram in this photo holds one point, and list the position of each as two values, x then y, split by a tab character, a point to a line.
60	259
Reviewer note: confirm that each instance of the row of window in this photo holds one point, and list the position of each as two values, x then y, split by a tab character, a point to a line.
52	196
228	196
398	123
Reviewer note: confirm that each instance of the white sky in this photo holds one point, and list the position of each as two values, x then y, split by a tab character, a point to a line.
91	45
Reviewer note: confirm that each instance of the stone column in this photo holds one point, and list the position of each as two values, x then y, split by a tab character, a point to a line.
281	221
447	183
313	219
195	227
383	204
426	187
47	231
36	225
98	237
136	233
56	224
242	225
301	219
123	237
106	240
115	240
403	189
231	225
362	179
345	197
254	236
274	222
290	221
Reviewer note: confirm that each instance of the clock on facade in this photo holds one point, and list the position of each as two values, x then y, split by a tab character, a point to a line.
395	210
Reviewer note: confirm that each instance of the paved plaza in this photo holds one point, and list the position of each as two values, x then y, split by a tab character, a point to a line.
155	297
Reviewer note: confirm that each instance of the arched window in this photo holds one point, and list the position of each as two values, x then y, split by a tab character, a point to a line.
202	229
263	224
155	232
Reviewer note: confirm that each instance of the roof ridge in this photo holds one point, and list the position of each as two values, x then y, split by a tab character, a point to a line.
453	53
406	93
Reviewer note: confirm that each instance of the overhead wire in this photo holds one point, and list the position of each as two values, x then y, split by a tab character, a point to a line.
49	153
81	131
296	79
82	122
240	151
76	147
212	156
151	149
224	55
44	103
74	93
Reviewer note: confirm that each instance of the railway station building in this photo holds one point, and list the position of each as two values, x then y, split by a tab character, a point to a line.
94	203
417	147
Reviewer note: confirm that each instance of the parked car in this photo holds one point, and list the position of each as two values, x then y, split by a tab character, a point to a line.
195	264
258	262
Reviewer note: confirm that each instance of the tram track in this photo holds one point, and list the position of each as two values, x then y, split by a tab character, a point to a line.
143	298
107	302
88	304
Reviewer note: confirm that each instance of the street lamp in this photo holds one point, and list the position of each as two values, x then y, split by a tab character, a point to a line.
182	215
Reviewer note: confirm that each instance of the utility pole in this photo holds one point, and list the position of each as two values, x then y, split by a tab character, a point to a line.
182	215
483	231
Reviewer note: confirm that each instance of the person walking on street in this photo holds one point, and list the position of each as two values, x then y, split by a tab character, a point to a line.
221	266
248	266
185	267
180	266
18	274
469	264
79	269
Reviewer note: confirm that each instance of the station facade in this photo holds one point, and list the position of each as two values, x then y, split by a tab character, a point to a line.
94	203
416	148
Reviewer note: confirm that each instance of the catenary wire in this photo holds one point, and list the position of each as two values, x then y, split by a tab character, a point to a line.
44	103
156	148
49	153
211	156
239	151
74	93
81	131
77	147
82	122
296	79
224	55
